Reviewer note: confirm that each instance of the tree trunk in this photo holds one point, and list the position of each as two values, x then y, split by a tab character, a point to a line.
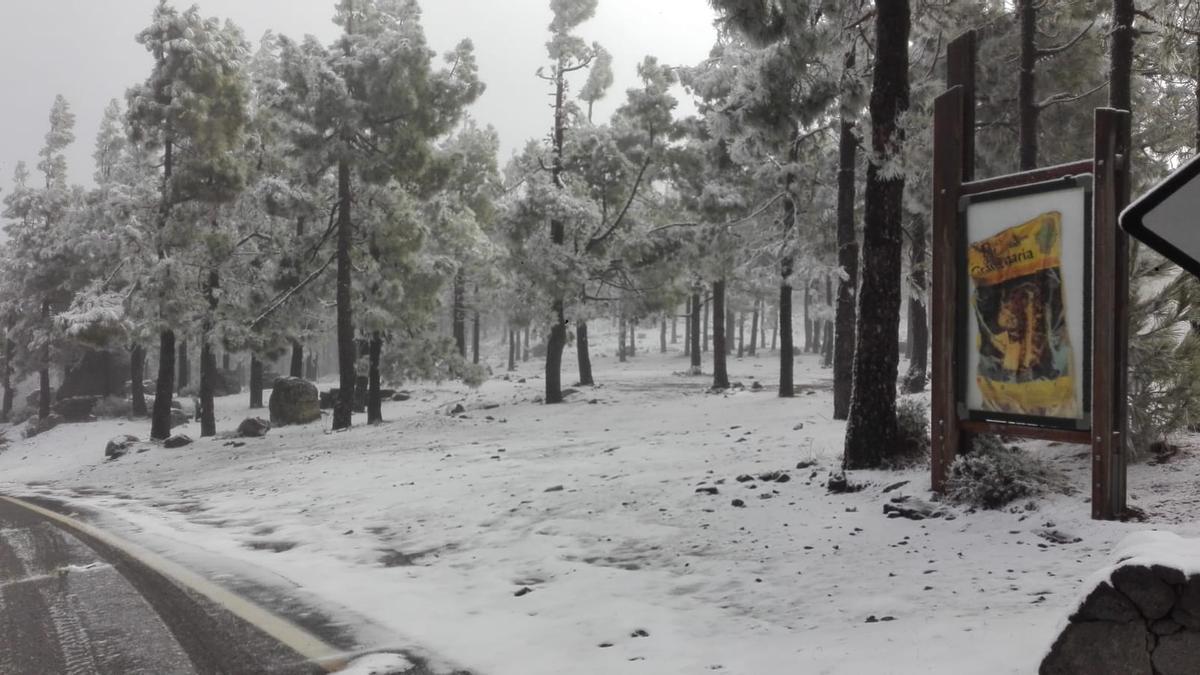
808	323
460	310
662	335
164	388
704	327
871	429
513	344
297	365
775	326
525	354
918	365
632	337
208	372
908	330
475	329
137	379
784	322
343	407
185	368
687	327
741	326
675	322
694	333
622	336
256	382
558	330
827	343
847	243
1027	141
6	405
753	348
720	372
730	326
374	399
583	354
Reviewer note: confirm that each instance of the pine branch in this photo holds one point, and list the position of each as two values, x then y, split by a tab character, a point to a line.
1063	97
1040	54
274	306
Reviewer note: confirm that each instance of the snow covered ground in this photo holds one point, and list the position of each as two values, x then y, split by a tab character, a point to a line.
521	539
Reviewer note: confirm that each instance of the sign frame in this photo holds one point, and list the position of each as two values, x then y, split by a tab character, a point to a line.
965	316
1132	219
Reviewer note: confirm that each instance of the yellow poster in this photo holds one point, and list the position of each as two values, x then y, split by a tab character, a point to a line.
1024	348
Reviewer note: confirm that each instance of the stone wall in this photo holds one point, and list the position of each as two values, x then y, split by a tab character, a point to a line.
1141	617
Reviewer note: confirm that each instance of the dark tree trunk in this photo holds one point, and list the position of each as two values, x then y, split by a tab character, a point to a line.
827	343
720	372
662	336
622	336
730	325
137	380
6	405
1027	143
783	325
753	348
164	388
704	327
208	372
256	382
225	361
583	354
1120	66
918	365
741	324
694	333
558	329
775	326
687	328
525	353
675	327
297	365
185	368
44	369
908	331
374	399
871	429
808	323
343	407
513	344
460	311
475	329
847	243
632	337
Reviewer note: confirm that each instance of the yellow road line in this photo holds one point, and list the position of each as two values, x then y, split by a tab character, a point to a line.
299	640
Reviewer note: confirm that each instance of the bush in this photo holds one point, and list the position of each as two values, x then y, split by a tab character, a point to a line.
112	406
912	426
992	475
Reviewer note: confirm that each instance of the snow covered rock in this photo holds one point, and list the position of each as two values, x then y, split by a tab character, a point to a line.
294	400
119	445
76	408
1140	615
179	418
40	426
253	427
177	441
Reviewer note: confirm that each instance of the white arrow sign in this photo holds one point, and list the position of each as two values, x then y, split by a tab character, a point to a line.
1167	218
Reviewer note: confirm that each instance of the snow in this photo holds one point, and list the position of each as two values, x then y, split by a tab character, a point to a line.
417	535
377	664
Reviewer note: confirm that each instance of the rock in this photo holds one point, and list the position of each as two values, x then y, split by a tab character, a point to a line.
774	476
458	409
1104	603
227	382
525	590
179	418
1099	647
42	425
806	464
1188	605
1150	594
738	503
253	427
744	478
707	490
76	408
913	509
555	488
326	399
177	441
401	396
839	484
1059	537
894	486
1177	654
119	445
98	372
294	400
756	386
1165	627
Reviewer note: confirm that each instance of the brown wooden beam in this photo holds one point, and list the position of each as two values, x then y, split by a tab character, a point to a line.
1077	436
1027	177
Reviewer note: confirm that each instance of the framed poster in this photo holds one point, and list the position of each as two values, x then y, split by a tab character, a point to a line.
1024	305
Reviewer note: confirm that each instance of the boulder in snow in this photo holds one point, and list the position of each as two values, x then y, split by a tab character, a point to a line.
294	400
253	427
76	408
40	426
177	441
119	445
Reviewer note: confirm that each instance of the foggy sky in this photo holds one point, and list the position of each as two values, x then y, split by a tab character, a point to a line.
84	50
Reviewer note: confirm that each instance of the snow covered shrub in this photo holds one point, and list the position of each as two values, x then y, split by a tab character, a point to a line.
22	414
912	423
112	406
992	475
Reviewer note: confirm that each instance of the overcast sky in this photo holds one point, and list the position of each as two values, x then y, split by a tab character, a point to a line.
84	50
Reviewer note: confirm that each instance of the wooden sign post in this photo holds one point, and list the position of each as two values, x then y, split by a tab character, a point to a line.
1101	419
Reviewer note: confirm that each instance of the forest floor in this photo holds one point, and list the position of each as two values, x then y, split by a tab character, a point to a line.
521	539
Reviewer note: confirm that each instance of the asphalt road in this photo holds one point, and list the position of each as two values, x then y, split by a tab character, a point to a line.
72	604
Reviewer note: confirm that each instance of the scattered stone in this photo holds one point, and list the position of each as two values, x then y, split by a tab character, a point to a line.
838	483
1058	537
738	503
401	396
604	645
177	441
872	619
894	486
798	427
76	408
556	488
774	476
119	445
808	463
744	478
756	386
294	400
525	590
707	490
641	632
38	425
253	427
913	509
